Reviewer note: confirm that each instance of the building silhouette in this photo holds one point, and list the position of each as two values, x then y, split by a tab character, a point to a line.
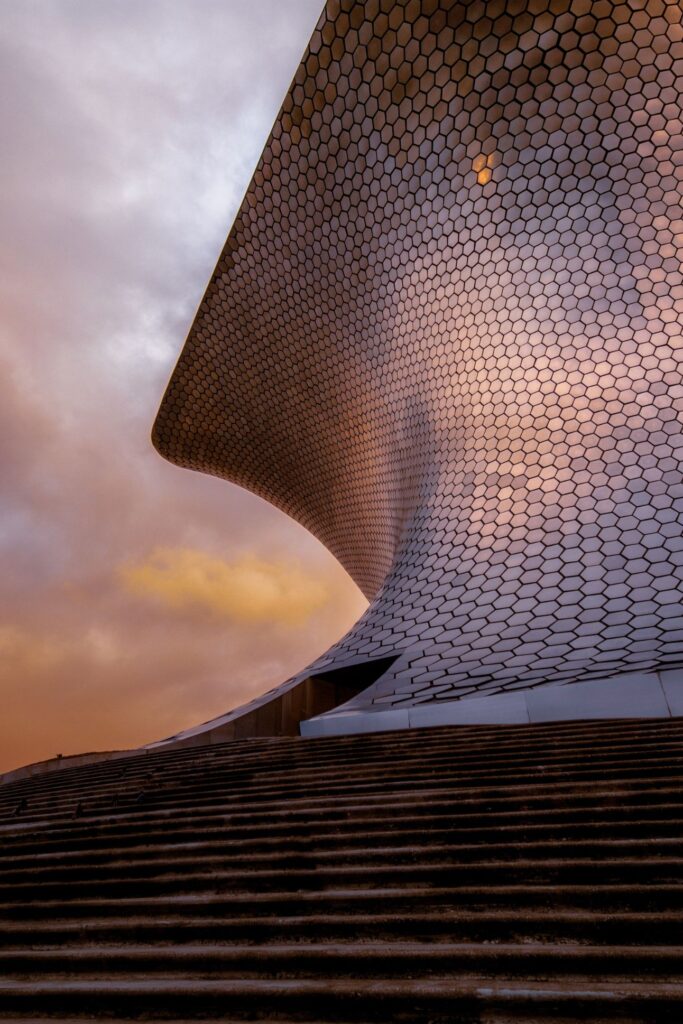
444	335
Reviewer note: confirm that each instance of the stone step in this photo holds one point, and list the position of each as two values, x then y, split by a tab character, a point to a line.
608	897
552	783
338	999
395	959
136	769
195	858
504	875
449	923
466	829
630	817
589	793
271	777
558	871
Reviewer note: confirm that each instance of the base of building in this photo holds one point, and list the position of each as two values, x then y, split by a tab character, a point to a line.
633	695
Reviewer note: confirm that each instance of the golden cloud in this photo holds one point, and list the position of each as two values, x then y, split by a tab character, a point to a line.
249	590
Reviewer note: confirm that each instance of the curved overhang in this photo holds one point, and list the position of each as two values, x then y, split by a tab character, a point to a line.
444	335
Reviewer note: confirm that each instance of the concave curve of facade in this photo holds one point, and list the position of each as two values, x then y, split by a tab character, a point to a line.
444	335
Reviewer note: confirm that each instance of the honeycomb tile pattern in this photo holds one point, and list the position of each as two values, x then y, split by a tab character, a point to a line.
444	334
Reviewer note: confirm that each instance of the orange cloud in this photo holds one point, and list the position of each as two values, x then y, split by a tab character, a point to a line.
249	590
31	652
34	653
83	664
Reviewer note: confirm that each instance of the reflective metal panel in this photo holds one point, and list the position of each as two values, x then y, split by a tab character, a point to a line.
445	334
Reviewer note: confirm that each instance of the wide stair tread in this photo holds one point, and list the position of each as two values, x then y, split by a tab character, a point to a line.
406	958
496	874
360	998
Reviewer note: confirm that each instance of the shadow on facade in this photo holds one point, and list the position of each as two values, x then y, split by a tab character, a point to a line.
310	697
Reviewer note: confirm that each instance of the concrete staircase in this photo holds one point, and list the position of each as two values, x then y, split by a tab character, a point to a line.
470	874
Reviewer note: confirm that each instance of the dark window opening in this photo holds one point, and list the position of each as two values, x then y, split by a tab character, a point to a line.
313	696
330	689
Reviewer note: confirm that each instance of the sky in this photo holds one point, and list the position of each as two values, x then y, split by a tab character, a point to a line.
136	598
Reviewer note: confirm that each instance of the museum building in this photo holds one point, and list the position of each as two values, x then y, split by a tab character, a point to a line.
444	336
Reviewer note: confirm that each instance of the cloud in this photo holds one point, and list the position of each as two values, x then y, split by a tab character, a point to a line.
129	132
249	590
19	647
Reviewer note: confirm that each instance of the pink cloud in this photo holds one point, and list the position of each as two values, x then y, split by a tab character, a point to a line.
129	133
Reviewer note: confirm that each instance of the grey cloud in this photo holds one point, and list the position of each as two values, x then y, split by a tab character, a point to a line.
130	130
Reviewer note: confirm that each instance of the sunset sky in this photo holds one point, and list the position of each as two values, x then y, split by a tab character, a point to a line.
136	598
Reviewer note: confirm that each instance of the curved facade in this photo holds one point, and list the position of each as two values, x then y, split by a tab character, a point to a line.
445	336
